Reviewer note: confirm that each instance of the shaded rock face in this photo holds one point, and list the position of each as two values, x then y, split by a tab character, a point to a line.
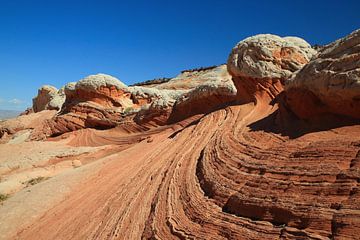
207	90
260	64
200	91
330	83
48	98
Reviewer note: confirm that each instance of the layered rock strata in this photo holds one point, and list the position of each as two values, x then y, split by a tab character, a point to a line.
233	173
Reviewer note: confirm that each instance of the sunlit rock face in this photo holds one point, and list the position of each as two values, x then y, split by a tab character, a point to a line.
330	83
48	98
200	157
102	101
261	64
210	89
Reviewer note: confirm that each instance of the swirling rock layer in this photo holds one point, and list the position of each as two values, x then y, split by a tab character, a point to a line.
252	170
219	178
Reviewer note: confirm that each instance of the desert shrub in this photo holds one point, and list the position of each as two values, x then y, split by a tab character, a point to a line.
3	197
34	181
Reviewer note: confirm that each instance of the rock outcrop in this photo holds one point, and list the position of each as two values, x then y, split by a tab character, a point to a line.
192	79
33	123
203	90
260	64
330	83
48	98
236	172
102	101
95	101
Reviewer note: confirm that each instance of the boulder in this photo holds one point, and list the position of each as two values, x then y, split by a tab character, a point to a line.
260	64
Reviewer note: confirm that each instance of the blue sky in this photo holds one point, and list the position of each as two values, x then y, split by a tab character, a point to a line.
55	42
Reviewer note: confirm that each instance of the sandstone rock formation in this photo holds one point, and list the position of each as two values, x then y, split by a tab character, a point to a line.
192	79
90	102
260	64
48	98
236	172
102	101
31	123
330	83
211	95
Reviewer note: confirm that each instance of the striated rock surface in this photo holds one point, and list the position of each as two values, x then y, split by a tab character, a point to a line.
95	101
330	83
248	170
48	98
208	89
260	64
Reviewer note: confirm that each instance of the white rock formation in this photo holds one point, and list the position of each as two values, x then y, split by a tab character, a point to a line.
334	76
94	82
48	98
269	56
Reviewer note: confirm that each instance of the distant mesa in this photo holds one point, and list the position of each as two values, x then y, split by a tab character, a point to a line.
152	82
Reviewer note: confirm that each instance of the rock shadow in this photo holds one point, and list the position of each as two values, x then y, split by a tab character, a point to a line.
283	121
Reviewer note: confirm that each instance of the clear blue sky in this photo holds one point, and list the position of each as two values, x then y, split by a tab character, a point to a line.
55	42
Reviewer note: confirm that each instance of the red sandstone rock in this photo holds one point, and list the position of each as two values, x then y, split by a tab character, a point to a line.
101	101
246	171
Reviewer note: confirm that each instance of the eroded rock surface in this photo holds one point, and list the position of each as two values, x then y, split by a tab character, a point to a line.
102	101
330	83
260	64
31	124
48	98
240	171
